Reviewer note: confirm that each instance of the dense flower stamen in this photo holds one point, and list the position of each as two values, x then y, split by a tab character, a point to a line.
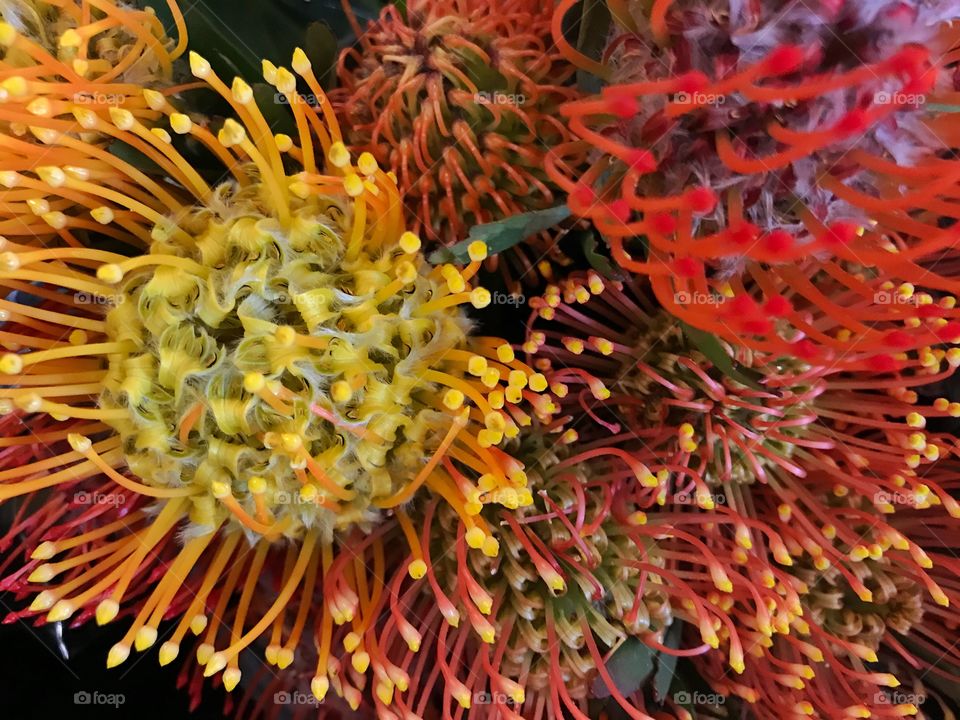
783	477
314	323
61	55
460	100
512	628
746	146
243	405
277	363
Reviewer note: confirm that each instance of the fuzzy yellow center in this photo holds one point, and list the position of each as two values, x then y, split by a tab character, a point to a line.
269	362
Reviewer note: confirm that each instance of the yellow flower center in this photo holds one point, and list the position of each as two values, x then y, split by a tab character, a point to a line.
265	360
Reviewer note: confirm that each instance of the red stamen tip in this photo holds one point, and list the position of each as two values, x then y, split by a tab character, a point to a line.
778	241
922	83
805	350
909	62
642	160
743	305
950	332
839	233
883	363
582	198
664	223
620	209
759	326
897	339
743	233
854	122
778	306
701	200
623	106
692	82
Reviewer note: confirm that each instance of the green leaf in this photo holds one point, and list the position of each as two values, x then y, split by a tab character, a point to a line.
629	667
133	157
666	663
503	234
945	688
591	40
320	46
600	263
480	72
366	9
235	35
222	33
937	107
567	605
684	698
585	28
330	12
273	105
716	354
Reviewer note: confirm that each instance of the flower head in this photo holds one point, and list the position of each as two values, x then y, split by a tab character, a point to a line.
461	100
524	633
784	496
740	144
263	367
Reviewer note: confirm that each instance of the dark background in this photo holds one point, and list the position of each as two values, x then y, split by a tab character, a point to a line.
37	682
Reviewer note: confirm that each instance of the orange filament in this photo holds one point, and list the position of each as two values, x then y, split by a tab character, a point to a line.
401	496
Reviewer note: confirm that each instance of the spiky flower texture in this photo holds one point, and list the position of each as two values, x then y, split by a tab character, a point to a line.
88	46
747	143
793	504
257	372
461	100
526	634
56	55
210	391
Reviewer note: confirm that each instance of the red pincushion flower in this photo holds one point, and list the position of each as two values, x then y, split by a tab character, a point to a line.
772	483
778	136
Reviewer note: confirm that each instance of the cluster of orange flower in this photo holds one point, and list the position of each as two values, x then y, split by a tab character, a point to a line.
707	469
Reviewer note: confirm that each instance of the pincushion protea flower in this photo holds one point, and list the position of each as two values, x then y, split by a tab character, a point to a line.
765	484
55	55
526	634
461	101
275	369
736	141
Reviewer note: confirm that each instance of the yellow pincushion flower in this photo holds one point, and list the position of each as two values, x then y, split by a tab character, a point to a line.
274	362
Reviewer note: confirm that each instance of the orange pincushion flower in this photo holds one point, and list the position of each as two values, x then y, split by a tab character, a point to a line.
461	100
788	499
738	147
